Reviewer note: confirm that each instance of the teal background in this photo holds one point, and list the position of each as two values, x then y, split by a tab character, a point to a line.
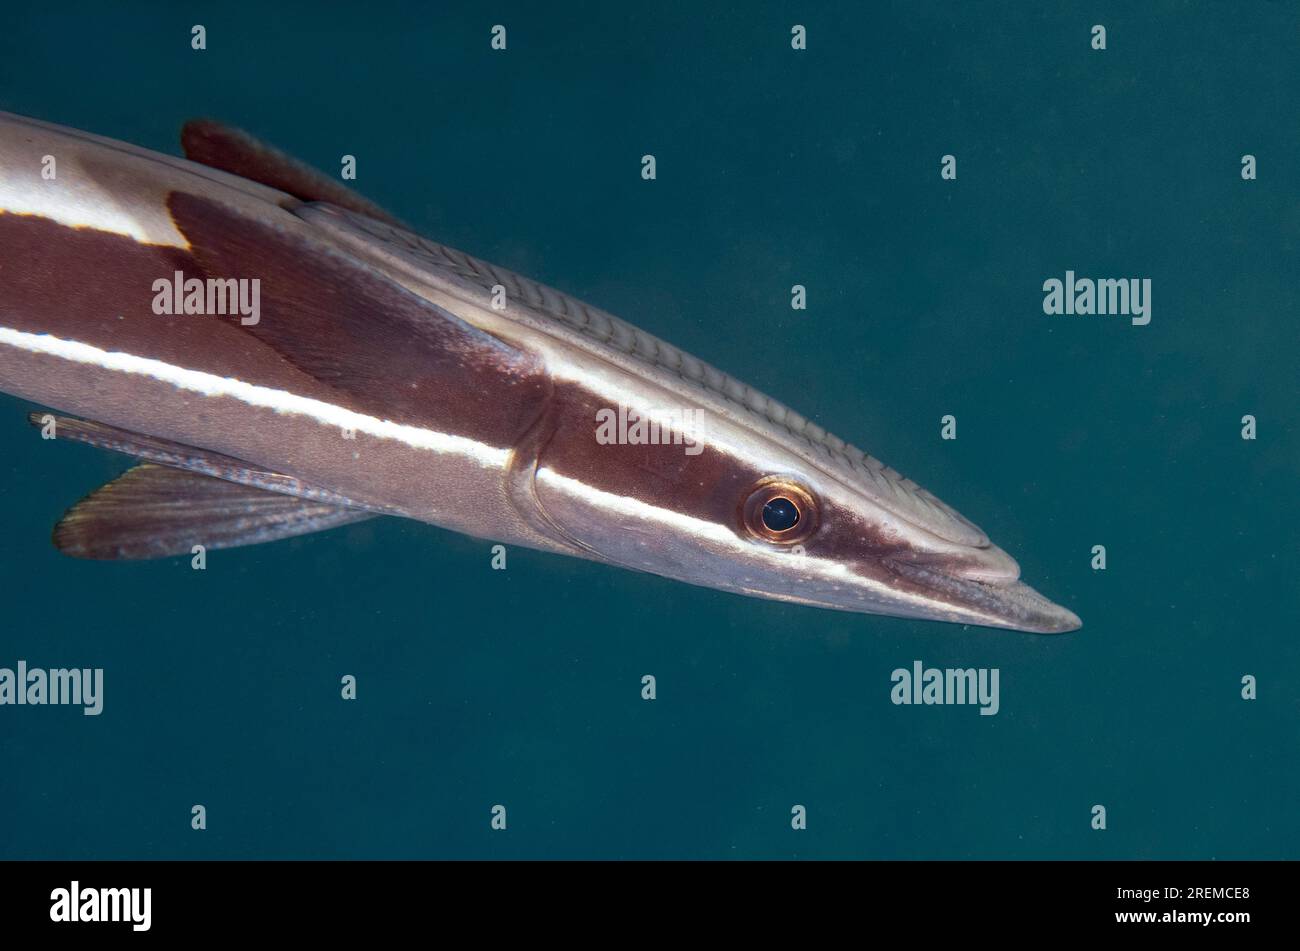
775	167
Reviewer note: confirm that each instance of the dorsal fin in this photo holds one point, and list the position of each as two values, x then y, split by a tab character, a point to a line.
387	351
155	512
232	150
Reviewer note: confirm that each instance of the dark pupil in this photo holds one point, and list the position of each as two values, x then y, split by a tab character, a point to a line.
780	515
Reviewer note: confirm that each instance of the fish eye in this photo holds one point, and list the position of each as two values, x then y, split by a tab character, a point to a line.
780	514
779	511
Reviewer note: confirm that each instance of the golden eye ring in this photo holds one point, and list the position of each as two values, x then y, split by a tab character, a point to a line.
779	511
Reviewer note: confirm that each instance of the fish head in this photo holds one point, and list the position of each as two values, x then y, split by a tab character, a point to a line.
784	512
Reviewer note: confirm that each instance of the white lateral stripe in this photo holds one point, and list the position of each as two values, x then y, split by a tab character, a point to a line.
209	384
626	505
832	572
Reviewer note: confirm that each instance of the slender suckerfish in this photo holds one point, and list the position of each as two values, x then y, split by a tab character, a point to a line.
282	357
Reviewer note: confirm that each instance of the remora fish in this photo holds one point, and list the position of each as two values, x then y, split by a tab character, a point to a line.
387	374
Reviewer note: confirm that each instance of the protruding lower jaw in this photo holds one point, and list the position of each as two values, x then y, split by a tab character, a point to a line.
1003	603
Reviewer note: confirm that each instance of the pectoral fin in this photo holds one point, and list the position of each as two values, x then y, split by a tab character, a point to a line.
182	496
199	461
155	511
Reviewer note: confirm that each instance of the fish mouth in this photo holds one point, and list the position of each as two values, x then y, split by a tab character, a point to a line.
1005	603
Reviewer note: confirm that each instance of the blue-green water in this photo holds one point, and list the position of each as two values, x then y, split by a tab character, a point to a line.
775	167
